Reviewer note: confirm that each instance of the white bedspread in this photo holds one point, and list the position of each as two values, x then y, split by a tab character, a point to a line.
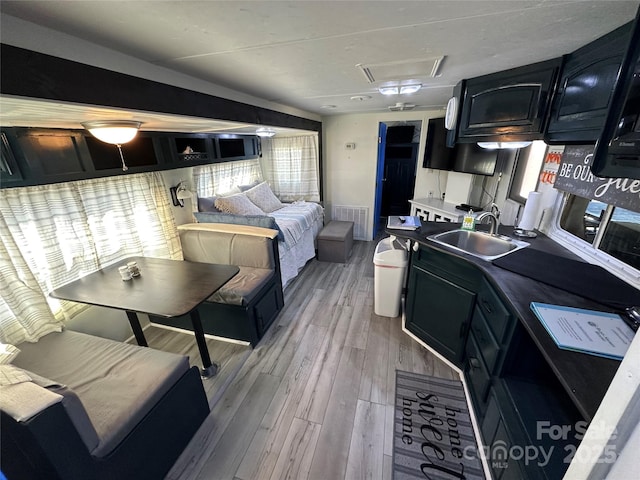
300	223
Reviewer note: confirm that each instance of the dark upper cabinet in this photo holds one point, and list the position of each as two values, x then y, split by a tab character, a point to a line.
10	173
192	149
511	105
139	154
585	89
199	149
236	147
617	150
51	156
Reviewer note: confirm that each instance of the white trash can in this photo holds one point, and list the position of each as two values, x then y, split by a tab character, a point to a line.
390	264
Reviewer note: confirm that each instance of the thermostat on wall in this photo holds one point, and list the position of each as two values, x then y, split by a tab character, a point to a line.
350	146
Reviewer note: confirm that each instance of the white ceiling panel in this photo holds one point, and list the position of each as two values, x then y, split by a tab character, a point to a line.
304	53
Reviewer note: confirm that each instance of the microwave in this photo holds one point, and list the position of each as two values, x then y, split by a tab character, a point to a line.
617	151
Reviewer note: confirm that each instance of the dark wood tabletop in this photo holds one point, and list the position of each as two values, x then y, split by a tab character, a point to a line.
166	288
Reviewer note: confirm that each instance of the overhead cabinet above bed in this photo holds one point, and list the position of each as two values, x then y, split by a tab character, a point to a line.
38	156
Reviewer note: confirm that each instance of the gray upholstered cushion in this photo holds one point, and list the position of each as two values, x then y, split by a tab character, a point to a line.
242	288
117	383
263	221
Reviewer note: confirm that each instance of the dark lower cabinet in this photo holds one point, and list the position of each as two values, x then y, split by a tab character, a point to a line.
440	313
529	425
440	301
519	402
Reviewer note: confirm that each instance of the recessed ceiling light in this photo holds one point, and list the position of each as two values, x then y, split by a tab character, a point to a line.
361	98
407	89
389	90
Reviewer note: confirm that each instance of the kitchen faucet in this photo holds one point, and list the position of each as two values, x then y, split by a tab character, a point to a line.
494	217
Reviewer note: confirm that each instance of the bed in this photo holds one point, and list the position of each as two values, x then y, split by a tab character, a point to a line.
298	223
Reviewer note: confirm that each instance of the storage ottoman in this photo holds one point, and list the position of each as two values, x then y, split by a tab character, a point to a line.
335	242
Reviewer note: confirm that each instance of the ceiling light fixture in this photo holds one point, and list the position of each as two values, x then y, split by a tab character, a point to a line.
409	89
498	145
389	90
400	89
265	132
115	132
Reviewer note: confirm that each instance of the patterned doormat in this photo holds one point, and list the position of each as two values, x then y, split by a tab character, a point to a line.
433	435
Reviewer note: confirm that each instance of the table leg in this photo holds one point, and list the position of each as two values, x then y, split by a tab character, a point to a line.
209	369
137	329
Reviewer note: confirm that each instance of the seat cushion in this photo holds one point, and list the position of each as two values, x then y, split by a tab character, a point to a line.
242	288
117	383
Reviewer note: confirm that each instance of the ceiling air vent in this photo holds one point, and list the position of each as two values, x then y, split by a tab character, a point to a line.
397	70
400	107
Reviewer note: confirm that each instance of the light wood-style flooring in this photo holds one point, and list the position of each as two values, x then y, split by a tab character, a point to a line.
314	399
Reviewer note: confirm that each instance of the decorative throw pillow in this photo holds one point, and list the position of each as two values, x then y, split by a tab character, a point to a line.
244	188
252	220
238	204
228	193
263	197
207	204
7	353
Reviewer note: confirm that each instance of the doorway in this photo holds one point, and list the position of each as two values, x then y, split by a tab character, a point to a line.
398	144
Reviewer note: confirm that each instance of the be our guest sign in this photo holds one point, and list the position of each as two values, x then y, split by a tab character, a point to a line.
574	176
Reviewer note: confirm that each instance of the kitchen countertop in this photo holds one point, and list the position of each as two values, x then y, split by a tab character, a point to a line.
585	377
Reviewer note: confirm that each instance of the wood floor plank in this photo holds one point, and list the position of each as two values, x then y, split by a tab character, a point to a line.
365	460
400	356
373	385
360	322
294	461
315	398
225	459
265	447
331	455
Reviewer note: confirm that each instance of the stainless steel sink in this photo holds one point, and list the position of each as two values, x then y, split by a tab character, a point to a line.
480	244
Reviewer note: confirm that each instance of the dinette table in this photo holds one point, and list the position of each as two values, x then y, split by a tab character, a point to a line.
166	288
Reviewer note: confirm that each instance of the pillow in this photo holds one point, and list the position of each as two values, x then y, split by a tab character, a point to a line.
263	197
252	220
228	193
7	353
238	204
207	204
244	188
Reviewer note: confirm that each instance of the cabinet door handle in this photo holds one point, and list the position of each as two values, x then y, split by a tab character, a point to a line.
487	306
463	328
474	362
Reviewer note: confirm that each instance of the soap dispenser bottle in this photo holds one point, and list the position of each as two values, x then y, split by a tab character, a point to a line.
469	221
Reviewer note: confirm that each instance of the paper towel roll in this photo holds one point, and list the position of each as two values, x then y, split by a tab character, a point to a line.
530	214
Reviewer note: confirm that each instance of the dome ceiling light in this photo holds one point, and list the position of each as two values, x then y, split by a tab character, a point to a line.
115	132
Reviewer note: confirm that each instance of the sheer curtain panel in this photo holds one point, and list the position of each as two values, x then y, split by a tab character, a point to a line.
290	165
219	178
53	234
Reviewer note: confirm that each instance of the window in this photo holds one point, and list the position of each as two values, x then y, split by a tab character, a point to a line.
612	230
53	234
527	170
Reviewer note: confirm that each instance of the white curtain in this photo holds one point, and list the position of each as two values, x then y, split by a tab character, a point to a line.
290	165
53	234
219	178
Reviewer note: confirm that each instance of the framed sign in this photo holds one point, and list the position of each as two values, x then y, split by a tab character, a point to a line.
574	176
